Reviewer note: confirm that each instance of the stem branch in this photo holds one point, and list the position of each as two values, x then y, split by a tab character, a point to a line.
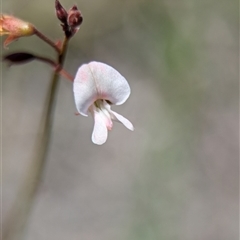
47	40
57	67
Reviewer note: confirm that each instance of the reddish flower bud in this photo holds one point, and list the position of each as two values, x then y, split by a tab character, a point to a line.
61	12
74	17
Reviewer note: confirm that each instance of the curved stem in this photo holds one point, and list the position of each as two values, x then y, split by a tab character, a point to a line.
46	60
19	216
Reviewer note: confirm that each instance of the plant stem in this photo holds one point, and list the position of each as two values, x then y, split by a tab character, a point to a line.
57	67
47	40
20	213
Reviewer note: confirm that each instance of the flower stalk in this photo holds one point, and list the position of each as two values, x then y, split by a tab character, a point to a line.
47	40
18	218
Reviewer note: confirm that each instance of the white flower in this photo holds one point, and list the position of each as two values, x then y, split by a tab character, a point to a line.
96	87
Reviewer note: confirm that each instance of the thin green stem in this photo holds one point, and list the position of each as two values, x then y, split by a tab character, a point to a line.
19	216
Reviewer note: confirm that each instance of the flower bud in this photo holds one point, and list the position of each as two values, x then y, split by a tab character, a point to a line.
15	28
18	58
74	17
61	12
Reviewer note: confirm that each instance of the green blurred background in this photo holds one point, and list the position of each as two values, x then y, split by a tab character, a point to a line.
175	176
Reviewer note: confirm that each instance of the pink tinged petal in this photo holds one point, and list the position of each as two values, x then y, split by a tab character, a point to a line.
110	84
107	117
98	81
84	88
100	131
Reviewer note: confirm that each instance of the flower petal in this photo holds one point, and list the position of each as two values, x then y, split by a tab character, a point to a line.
110	84
123	120
117	117
98	81
84	88
100	132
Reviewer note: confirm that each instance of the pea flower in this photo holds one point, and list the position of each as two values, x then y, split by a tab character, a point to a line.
96	87
15	28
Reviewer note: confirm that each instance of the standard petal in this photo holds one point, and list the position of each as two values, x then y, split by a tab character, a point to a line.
110	84
100	132
121	119
84	89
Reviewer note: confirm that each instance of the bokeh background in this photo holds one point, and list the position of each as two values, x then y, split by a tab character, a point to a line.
174	177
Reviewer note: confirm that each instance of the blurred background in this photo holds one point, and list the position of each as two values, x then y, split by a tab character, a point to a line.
175	176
